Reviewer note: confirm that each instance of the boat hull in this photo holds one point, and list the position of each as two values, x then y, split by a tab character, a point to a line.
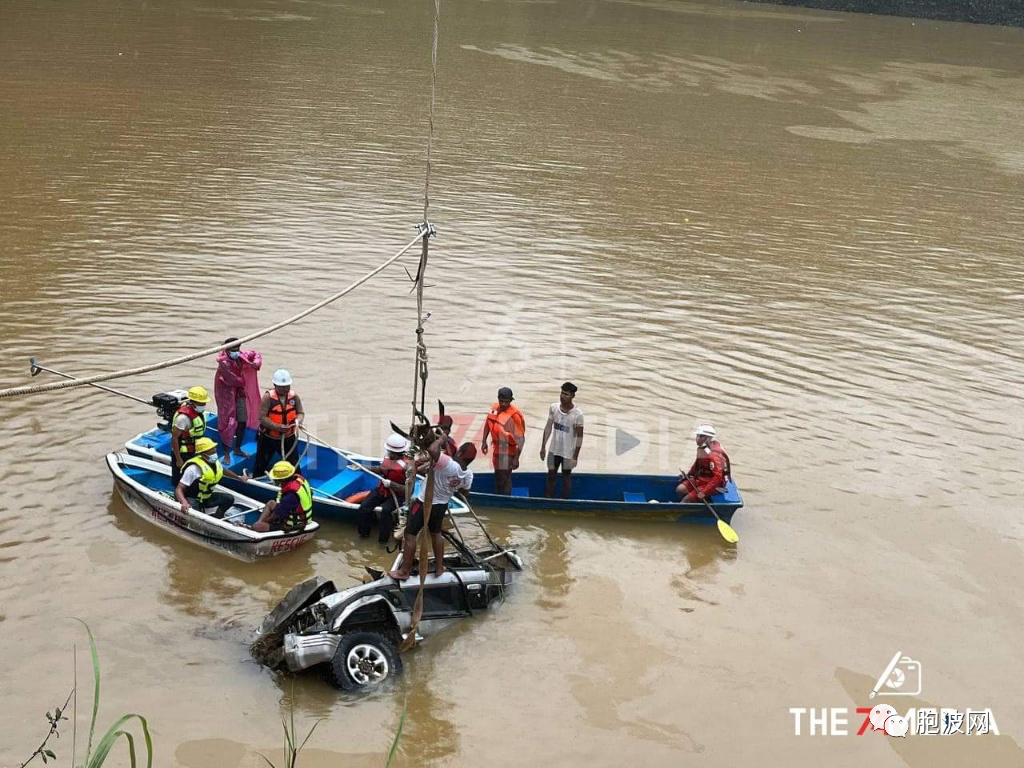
218	535
332	474
640	497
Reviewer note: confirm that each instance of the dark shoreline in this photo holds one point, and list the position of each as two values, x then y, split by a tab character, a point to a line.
1002	12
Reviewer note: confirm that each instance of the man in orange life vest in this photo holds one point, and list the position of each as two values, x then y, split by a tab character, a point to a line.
389	493
187	426
709	472
506	428
281	415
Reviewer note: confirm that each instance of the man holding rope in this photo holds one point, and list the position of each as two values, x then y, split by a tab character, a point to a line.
281	415
450	475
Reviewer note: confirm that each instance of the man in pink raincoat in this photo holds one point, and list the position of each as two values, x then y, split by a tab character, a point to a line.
237	392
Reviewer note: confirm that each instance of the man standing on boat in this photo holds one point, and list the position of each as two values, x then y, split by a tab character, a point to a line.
450	475
201	473
506	428
187	426
709	472
281	415
565	420
389	493
236	389
293	508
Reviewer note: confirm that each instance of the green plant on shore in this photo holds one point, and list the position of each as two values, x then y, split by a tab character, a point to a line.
94	758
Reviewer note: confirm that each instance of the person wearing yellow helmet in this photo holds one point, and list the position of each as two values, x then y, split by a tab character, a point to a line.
187	426
199	476
292	510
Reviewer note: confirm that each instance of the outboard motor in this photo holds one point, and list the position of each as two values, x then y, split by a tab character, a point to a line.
167	404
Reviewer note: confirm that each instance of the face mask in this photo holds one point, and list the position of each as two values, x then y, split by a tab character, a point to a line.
234	355
210	458
200	408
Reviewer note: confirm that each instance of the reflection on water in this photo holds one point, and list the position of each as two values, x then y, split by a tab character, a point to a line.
801	226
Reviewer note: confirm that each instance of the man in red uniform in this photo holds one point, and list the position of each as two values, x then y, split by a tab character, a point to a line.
710	470
389	493
506	428
445	423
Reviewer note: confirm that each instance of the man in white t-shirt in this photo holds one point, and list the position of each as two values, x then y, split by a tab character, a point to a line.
565	427
451	474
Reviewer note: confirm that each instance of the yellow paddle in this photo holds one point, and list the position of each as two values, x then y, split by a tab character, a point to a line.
723	527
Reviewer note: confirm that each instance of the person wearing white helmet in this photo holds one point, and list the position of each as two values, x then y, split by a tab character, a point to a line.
389	493
710	471
281	415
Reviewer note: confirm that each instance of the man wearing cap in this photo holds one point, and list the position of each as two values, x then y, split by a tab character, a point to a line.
187	426
450	475
506	428
709	472
565	423
200	475
292	510
281	415
389	493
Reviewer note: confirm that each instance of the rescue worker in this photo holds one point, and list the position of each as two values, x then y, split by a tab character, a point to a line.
199	476
187	426
450	475
710	471
389	493
506	428
281	415
293	508
445	423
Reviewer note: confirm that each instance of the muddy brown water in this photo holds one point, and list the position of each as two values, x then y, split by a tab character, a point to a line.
803	226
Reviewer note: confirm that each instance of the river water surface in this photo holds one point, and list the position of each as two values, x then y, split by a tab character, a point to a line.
803	226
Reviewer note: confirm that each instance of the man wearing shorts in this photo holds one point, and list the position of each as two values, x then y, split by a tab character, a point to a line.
565	427
450	475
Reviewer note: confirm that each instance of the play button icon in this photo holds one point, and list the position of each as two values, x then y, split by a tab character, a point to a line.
624	442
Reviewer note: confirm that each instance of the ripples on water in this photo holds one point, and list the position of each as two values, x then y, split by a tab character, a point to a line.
756	216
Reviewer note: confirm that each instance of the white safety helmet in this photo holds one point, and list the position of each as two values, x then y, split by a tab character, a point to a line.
282	378
396	443
704	430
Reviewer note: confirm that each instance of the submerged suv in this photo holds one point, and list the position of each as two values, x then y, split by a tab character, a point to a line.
354	635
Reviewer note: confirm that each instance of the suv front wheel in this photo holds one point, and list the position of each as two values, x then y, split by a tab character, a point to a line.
363	660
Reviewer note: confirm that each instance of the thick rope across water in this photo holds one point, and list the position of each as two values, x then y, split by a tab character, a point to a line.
31	390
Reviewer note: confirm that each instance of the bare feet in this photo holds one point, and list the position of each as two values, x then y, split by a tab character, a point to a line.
439	570
398	575
228	459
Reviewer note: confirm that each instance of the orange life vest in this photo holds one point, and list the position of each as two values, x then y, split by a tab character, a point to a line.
282	413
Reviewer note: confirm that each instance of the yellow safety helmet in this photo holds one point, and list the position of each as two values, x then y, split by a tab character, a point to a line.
205	445
282	470
199	395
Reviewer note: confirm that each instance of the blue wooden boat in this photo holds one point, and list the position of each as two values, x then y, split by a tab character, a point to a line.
645	497
334	475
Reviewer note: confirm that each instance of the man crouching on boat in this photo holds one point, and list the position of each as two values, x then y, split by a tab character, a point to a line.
293	508
450	475
199	475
